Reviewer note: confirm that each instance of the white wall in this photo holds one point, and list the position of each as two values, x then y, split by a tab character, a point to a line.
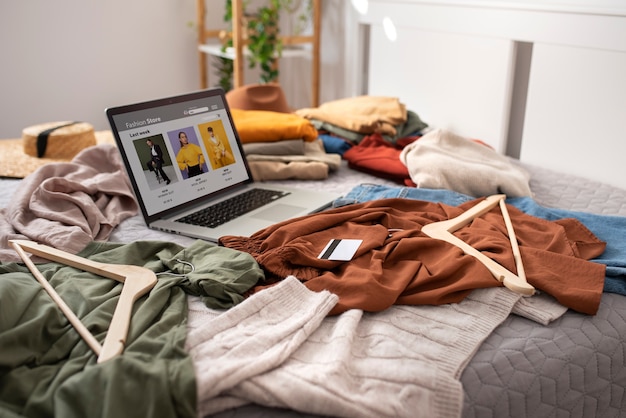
70	59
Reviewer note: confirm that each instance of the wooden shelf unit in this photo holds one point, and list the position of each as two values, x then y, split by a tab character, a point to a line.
209	44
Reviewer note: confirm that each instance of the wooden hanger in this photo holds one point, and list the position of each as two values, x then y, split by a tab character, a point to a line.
443	230
137	282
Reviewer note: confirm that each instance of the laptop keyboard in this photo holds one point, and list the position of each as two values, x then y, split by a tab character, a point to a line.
227	210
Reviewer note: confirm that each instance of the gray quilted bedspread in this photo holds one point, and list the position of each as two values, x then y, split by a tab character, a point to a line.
570	192
574	367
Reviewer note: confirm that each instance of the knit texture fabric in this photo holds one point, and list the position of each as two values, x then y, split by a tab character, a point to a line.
279	349
443	160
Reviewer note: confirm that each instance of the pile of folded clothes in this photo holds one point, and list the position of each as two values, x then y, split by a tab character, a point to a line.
374	134
278	143
369	132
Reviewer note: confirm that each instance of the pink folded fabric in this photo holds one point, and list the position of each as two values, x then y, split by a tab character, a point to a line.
68	205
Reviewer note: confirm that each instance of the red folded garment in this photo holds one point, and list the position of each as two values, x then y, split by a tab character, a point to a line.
378	157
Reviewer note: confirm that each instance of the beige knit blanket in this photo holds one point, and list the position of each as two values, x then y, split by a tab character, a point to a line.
68	205
278	348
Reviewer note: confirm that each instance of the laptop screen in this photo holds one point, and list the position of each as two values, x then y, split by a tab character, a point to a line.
179	150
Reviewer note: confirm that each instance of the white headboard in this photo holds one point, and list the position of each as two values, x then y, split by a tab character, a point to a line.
542	82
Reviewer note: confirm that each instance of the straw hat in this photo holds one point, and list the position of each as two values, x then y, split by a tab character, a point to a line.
268	96
47	143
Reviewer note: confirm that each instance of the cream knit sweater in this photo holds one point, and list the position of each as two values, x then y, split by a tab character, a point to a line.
278	348
443	160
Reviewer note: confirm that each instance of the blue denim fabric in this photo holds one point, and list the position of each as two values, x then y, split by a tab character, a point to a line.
610	229
334	145
367	192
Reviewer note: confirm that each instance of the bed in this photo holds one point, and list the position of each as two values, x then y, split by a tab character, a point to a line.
508	360
277	352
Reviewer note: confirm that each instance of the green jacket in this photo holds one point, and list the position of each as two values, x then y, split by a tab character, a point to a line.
46	369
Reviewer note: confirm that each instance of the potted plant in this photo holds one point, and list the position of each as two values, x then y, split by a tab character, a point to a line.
263	40
262	37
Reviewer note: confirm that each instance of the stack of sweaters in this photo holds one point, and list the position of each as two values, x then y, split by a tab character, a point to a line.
282	146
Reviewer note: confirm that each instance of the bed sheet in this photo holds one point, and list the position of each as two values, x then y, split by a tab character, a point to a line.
575	366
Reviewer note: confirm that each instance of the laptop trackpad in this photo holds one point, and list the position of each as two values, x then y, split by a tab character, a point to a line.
278	212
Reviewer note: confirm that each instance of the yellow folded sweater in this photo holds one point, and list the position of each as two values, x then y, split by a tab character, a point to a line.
269	126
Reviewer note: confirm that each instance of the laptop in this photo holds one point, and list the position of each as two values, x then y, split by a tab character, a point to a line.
186	165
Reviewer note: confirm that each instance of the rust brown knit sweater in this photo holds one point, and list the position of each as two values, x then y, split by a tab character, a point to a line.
398	264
